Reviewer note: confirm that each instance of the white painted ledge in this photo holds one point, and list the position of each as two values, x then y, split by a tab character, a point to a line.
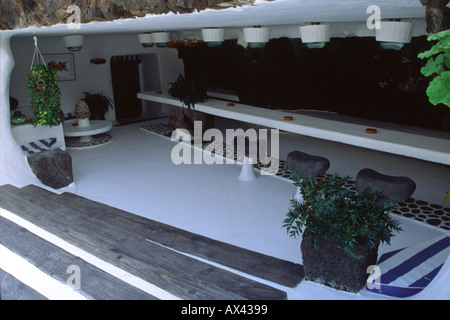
26	133
408	144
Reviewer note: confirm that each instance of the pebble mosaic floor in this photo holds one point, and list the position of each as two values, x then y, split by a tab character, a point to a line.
419	210
97	140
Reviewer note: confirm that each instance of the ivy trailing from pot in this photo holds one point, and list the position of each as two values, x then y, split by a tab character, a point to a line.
45	95
44	92
438	67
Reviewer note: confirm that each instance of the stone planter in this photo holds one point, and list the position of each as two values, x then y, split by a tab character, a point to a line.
329	265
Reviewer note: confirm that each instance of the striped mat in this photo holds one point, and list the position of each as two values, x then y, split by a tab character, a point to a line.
406	272
38	145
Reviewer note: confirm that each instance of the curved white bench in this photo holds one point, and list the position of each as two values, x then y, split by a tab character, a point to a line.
26	133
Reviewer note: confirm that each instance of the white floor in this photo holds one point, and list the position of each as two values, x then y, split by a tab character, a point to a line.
134	172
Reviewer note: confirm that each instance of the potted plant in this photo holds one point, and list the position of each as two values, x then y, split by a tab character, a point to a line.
189	90
98	104
341	231
82	113
45	95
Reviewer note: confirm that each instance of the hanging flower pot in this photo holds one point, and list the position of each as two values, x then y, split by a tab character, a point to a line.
44	92
146	39
45	95
161	38
213	36
394	34
256	37
315	35
73	42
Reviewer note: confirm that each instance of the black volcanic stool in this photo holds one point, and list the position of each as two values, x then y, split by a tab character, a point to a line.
307	164
395	189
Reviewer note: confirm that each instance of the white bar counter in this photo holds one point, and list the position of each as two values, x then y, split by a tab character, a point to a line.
415	145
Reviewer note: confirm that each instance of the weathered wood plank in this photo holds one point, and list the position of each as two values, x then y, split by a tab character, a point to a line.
13	289
266	267
183	276
94	282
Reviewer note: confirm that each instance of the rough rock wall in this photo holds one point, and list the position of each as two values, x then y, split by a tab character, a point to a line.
437	15
17	14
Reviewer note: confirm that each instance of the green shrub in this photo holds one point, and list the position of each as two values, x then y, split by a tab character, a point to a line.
329	210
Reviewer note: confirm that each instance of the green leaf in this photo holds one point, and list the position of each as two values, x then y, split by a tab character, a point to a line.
447	197
447	59
437	48
442	36
438	90
434	65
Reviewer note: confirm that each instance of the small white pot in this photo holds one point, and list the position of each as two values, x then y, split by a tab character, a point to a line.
146	39
84	122
161	38
73	42
257	36
315	33
213	34
394	31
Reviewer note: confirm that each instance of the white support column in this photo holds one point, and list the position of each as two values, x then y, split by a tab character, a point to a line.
14	168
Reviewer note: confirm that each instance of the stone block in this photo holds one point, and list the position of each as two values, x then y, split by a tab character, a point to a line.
394	188
52	167
307	164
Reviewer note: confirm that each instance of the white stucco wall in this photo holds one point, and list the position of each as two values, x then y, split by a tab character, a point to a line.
13	166
107	39
16	55
89	77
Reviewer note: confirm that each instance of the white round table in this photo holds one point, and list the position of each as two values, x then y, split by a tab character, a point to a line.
72	129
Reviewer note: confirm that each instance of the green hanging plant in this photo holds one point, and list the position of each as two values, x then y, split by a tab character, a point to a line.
45	95
438	67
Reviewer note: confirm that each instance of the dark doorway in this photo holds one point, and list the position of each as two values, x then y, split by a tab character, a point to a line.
132	74
126	86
